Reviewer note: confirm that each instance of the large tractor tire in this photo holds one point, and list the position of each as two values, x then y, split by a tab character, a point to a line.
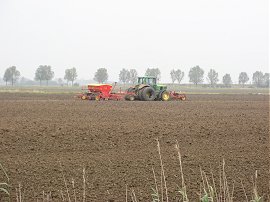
139	94
165	96
129	97
129	90
148	94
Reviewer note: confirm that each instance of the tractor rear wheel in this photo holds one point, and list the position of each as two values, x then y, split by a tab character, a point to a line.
129	97
148	94
165	96
131	89
126	97
139	94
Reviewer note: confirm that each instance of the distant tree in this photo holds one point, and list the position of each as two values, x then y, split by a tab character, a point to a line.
133	75
23	80
12	75
44	73
227	80
173	76
212	77
49	74
179	75
243	78
266	80
67	75
15	75
258	78
155	72
71	75
7	76
124	76
60	81
101	75
39	74
196	75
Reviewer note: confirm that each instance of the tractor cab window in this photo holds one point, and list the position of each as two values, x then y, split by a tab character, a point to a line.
151	81
145	80
140	80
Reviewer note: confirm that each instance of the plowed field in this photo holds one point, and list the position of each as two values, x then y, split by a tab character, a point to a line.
43	137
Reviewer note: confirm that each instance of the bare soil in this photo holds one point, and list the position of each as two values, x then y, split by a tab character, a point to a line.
45	136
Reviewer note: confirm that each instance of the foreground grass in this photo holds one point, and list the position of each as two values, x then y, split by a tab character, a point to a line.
211	189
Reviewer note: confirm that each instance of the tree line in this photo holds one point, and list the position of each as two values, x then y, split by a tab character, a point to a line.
196	76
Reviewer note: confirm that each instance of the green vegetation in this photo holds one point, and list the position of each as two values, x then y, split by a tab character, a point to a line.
4	185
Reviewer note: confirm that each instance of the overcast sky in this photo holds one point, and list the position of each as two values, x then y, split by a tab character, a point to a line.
228	35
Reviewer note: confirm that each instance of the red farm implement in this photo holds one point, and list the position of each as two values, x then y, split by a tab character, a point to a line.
104	92
177	96
100	92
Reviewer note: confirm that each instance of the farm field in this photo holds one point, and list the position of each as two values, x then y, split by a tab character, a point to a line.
43	136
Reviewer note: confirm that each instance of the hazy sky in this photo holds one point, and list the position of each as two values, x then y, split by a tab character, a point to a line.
228	35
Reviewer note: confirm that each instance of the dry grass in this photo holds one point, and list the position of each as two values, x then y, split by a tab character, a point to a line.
4	185
211	189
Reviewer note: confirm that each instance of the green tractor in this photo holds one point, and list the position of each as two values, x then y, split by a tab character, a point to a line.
147	89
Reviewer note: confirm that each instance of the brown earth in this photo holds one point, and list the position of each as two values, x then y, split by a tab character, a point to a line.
115	141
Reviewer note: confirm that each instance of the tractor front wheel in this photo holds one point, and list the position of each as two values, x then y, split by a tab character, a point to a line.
165	96
97	98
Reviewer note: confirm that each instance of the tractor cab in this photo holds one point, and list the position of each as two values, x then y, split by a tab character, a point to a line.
147	80
151	81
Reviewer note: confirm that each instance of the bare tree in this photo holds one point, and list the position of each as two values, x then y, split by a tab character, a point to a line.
266	80
155	72
243	78
258	78
133	75
124	76
101	75
173	75
196	75
212	77
179	75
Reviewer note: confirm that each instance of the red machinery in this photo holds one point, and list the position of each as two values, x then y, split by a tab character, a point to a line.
100	92
177	96
104	92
